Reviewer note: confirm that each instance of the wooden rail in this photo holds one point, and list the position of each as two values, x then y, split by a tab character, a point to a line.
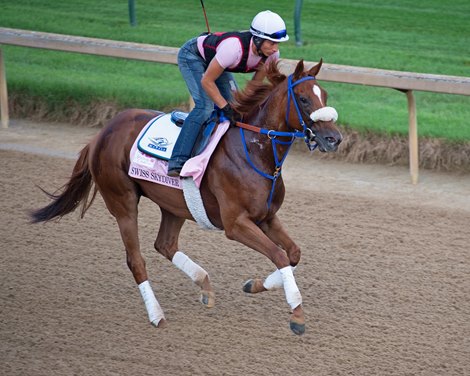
403	81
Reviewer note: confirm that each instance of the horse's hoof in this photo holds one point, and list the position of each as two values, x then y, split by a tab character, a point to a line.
253	286
208	298
297	328
297	321
247	286
160	324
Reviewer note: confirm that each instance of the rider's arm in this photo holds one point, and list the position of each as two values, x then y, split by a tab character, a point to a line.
228	54
213	72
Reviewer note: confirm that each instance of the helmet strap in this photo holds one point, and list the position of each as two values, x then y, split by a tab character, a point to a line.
258	42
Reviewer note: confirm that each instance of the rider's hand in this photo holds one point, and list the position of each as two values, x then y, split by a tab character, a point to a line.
229	113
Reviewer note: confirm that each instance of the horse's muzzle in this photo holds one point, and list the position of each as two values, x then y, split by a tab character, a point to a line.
328	141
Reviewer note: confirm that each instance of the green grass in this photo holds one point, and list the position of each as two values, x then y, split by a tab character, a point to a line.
417	36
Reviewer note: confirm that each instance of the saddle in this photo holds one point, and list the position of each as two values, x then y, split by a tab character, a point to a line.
162	132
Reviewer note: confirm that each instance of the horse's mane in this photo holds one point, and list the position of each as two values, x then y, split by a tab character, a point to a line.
256	92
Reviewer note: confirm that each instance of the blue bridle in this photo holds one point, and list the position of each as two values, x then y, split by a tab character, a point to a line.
307	135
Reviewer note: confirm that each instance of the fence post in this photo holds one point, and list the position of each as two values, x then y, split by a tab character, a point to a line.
132	12
413	137
3	93
297	31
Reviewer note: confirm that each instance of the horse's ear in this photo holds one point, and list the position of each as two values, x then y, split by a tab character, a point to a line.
315	69
299	70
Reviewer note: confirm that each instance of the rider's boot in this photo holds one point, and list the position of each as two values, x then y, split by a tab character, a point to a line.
183	147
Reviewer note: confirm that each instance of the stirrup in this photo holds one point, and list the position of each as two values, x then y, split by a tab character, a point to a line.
178	117
175	173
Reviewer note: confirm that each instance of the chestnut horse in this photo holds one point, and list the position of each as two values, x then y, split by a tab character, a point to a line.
242	188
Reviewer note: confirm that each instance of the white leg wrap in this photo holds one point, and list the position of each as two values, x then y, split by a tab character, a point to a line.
293	296
154	310
274	280
188	266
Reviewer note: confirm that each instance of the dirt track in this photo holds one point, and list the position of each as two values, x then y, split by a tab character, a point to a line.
385	277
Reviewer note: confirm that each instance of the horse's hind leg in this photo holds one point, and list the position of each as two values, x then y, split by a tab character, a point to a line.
122	201
136	263
167	245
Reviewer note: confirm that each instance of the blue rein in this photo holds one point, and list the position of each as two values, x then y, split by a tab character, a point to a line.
307	134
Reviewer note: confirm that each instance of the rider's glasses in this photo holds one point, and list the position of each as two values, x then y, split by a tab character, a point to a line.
277	35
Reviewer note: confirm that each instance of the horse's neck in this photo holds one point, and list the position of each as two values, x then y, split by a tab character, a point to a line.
268	115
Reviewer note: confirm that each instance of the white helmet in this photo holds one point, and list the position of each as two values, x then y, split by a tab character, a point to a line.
269	25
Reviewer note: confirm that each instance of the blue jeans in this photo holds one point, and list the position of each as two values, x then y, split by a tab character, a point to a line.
192	67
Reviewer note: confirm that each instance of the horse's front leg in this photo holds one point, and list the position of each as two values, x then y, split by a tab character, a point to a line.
248	233
276	232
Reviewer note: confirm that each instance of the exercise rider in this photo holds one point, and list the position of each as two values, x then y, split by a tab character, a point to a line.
207	62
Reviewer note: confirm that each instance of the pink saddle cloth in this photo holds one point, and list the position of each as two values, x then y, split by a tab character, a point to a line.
155	170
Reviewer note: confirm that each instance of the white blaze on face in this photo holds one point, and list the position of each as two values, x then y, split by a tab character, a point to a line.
317	92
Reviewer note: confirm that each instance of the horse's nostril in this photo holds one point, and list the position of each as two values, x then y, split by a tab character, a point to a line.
331	140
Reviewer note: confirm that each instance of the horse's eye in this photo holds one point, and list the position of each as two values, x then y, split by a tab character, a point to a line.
303	100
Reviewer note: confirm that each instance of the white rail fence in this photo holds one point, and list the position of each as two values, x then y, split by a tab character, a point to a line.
406	82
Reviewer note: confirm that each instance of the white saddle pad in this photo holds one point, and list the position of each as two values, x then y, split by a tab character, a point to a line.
160	137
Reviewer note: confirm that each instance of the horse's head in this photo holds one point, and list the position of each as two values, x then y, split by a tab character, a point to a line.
307	109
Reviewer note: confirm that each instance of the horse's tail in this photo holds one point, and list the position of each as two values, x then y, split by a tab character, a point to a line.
73	193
